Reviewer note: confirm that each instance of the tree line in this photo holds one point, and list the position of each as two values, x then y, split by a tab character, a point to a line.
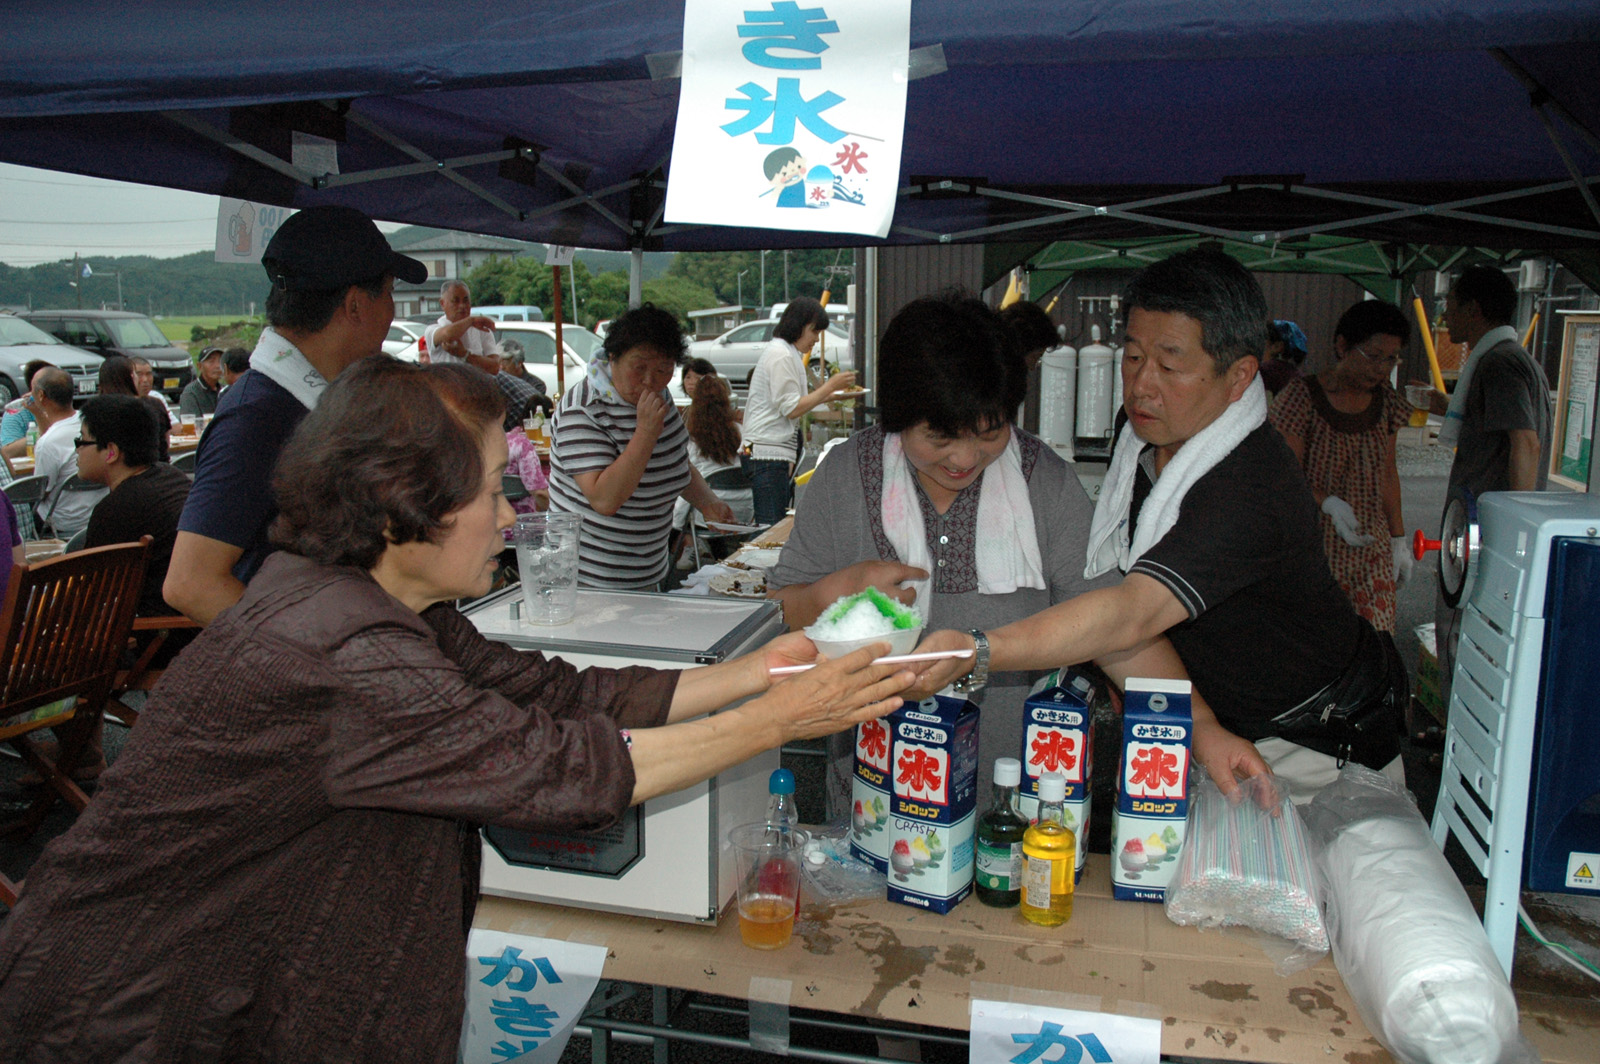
197	284
694	281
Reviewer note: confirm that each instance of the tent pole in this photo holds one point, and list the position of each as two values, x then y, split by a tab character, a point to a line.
635	276
1571	164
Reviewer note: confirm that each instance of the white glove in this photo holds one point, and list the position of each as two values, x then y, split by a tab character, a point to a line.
1404	559
1345	522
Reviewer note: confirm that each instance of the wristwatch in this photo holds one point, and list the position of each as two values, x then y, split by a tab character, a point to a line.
979	676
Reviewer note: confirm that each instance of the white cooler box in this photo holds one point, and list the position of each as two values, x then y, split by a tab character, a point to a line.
664	859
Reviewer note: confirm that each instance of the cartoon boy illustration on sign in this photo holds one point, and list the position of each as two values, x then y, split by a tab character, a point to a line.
786	171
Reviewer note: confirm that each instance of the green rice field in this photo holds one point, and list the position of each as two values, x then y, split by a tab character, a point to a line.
177	328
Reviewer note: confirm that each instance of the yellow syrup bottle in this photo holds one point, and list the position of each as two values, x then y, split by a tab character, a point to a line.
1049	855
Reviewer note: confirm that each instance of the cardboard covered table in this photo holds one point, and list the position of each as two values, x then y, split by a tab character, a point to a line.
1215	993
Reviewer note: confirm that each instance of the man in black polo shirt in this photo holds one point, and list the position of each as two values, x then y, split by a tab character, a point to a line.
1207	513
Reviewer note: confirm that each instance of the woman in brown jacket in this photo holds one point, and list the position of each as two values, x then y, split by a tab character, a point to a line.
283	863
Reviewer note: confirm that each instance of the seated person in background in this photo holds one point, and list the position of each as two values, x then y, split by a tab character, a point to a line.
19	413
118	436
620	455
200	395
1206	511
514	364
947	485
694	371
235	361
297	811
524	464
117	378
56	454
714	442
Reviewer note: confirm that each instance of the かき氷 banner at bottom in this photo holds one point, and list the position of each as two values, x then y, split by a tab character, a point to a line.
1005	1032
524	995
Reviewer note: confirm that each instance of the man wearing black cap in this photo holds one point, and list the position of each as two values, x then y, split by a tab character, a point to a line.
200	396
331	303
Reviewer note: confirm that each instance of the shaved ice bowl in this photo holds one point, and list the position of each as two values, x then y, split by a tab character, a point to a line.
862	619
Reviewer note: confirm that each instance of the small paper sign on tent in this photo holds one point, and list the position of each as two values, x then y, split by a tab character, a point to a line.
244	229
524	996
790	116
1004	1032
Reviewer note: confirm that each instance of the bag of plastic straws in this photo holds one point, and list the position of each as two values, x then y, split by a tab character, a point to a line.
1247	863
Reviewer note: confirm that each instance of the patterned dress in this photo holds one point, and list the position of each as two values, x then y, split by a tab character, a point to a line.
1344	456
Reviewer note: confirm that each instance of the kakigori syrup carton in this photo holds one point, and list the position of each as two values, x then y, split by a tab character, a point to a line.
927	753
1147	825
1058	736
869	794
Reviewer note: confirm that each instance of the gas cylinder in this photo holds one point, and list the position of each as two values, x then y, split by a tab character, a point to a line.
1058	398
1096	376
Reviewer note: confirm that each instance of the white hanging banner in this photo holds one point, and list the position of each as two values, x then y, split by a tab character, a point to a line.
244	229
1007	1033
524	996
791	115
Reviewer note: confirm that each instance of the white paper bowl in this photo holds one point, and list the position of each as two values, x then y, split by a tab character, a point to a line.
901	641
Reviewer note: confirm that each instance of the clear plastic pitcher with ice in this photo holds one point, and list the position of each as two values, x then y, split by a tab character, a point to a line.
547	563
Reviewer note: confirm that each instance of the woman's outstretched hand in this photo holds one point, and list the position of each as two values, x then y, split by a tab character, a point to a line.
834	695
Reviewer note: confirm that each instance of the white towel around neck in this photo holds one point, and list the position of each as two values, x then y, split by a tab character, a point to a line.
1006	543
283	363
1108	533
1450	431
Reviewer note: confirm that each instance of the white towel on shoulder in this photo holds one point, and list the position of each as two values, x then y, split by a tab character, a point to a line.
1450	431
1108	533
1007	541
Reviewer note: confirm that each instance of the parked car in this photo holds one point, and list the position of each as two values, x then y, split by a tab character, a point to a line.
120	332
402	339
536	340
517	313
736	352
21	342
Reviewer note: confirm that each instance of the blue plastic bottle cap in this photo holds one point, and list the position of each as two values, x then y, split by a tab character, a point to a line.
782	782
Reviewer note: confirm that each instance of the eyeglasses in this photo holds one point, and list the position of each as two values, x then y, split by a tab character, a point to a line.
1381	360
79	441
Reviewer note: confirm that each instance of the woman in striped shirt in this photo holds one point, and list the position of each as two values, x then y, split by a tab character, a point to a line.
620	455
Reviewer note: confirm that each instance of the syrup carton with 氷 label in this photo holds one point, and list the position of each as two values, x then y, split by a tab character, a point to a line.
925	842
1147	825
869	794
1058	736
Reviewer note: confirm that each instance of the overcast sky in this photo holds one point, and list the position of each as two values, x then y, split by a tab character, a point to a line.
46	216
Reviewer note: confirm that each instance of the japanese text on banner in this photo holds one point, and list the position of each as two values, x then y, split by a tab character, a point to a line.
790	115
524	996
1007	1033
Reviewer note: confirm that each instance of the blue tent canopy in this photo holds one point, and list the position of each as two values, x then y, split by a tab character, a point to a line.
1417	121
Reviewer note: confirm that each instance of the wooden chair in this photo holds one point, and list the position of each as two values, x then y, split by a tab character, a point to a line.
143	673
63	627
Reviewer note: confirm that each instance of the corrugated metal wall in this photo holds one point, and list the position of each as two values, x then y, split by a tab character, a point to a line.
904	273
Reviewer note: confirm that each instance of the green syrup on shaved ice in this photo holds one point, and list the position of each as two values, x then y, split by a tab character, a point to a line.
901	616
